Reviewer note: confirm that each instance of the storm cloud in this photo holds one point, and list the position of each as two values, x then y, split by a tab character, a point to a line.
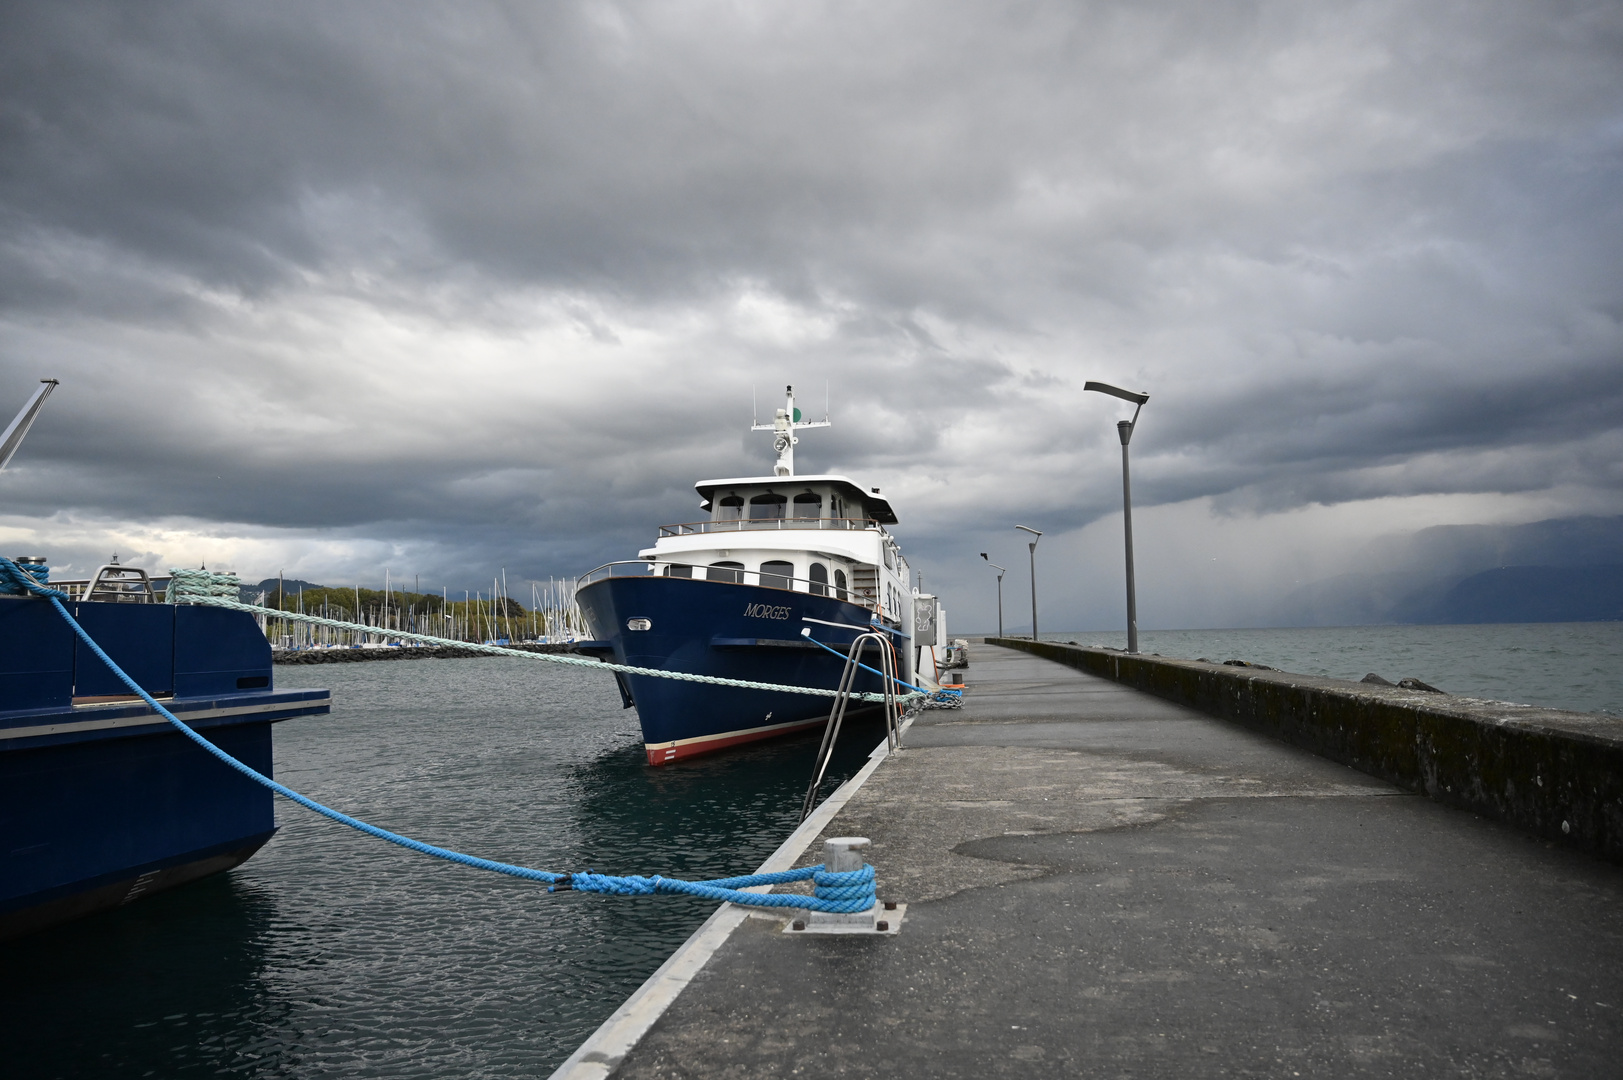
450	287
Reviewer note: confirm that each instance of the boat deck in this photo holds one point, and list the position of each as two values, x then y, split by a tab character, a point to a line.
1100	882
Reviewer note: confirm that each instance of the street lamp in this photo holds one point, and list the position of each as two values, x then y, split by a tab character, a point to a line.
1124	428
1035	536
1001	570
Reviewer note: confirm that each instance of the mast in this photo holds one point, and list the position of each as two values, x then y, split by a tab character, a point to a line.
783	428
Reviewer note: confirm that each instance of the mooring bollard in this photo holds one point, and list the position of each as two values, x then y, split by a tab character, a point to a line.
843	855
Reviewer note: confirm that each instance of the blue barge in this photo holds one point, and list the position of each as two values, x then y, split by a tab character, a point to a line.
101	800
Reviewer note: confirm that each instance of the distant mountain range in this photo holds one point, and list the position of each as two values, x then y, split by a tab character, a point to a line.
269	586
1526	594
1560	570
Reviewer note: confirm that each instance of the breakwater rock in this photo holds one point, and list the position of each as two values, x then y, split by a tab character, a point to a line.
404	652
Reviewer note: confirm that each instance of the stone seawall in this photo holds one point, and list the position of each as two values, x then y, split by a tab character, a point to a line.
1557	774
411	652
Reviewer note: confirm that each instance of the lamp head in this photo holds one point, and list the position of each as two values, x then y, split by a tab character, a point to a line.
1134	396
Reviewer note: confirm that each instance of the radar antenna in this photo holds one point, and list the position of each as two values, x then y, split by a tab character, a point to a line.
783	428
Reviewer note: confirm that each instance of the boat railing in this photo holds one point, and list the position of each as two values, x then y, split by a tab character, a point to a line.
727	575
697	528
116	584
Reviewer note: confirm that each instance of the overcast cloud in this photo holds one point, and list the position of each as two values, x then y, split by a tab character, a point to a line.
452	287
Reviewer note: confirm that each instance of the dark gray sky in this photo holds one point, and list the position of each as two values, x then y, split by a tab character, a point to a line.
451	287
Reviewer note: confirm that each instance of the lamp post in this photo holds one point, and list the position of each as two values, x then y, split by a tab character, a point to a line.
1001	570
1124	429
1035	536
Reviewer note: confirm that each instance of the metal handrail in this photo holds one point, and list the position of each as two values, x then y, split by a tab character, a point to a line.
836	714
106	587
696	528
649	566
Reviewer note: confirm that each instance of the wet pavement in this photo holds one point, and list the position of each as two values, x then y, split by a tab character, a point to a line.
1101	883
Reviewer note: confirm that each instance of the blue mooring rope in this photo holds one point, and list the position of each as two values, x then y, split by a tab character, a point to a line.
833	892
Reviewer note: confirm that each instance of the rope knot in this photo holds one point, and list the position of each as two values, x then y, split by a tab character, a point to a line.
191	586
19	579
850	890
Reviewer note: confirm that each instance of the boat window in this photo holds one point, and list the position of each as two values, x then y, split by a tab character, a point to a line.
839	584
768	506
808	504
819	579
777	575
890	558
678	570
730	508
726	571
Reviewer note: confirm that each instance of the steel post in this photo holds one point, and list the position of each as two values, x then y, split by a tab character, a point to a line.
1125	430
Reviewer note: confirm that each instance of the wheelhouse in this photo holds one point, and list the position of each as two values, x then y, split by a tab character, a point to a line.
822	535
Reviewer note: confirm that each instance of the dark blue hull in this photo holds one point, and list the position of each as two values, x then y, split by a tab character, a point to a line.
734	631
101	801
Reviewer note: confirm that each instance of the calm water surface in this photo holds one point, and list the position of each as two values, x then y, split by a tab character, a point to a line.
1559	665
332	953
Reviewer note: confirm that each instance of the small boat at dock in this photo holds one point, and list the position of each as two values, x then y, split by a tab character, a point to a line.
734	594
102	801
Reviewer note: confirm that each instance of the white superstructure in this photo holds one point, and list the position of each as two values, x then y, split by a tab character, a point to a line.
819	534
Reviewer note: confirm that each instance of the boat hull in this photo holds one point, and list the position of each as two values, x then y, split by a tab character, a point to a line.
728	630
101	800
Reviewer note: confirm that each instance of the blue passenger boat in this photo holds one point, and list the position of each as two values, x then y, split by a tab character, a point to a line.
101	800
731	596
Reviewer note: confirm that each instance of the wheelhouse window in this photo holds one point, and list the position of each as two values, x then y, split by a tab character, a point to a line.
679	570
818	575
839	584
730	508
768	506
777	575
726	571
808	504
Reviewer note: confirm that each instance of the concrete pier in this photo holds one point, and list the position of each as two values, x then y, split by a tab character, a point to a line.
1105	883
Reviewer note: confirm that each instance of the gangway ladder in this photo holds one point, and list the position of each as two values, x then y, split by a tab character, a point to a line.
836	715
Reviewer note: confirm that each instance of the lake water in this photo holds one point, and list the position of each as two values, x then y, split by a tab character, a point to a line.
1559	665
332	953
